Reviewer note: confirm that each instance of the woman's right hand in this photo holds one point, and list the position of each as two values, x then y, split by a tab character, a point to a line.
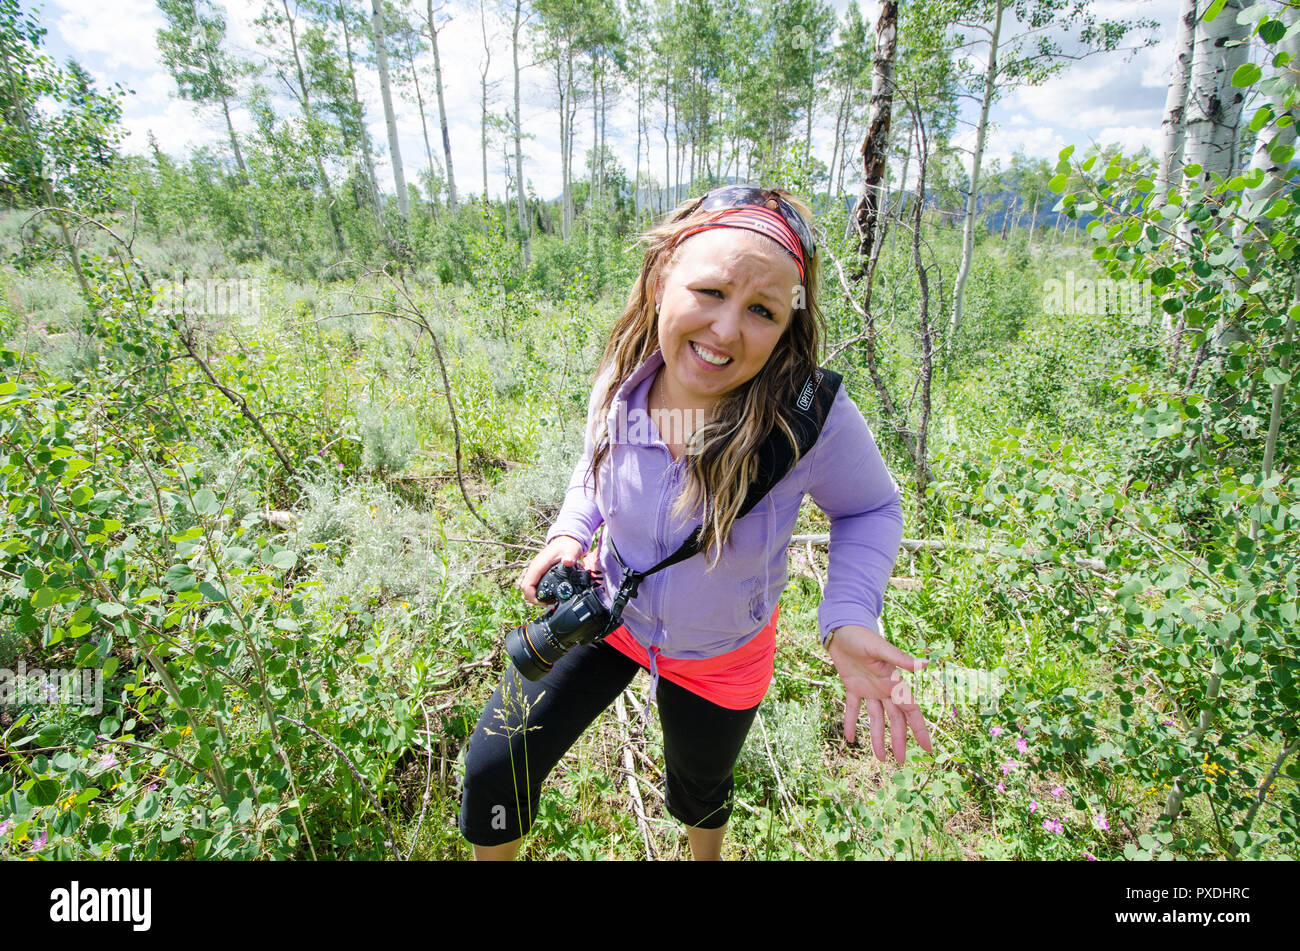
561	550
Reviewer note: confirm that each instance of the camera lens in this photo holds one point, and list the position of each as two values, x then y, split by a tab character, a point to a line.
531	649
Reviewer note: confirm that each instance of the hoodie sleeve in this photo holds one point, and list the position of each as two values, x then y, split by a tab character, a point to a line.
579	514
850	483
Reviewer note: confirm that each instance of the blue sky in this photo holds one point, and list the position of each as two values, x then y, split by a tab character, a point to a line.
1108	98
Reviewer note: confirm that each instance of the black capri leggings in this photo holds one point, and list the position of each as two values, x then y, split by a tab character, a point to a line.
510	753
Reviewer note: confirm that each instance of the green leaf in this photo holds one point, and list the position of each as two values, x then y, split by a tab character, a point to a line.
212	592
43	598
147	807
205	502
44	792
1270	31
284	560
110	609
1215	9
1066	152
1275	376
1058	182
1162	276
239	555
180	578
1251	13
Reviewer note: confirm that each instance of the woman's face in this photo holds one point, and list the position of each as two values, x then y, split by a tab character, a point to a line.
723	306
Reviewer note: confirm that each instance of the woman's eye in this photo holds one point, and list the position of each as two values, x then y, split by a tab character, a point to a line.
757	308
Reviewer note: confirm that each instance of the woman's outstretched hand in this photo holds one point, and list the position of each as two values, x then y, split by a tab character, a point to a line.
562	549
871	669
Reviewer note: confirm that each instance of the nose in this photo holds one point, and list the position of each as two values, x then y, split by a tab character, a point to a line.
726	321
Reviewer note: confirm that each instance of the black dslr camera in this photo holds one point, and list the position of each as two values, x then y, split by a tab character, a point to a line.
578	616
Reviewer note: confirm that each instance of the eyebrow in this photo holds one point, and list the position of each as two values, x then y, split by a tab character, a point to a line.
715	278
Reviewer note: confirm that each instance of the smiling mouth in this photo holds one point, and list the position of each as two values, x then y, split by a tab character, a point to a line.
709	356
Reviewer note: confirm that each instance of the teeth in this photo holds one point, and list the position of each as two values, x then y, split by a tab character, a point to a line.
709	357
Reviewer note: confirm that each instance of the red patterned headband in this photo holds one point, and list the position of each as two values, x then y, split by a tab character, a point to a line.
755	218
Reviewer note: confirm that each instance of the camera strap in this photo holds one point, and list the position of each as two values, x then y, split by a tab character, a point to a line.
776	458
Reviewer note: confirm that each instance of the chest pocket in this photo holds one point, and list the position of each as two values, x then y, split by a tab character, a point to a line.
758	610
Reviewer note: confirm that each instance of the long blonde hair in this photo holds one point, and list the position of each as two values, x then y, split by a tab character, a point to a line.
723	457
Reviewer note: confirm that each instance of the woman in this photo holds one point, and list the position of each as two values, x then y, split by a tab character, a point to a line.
717	343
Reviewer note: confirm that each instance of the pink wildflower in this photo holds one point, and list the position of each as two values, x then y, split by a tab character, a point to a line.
1008	766
1053	825
38	843
1058	791
995	731
1022	744
1033	806
1089	856
6	826
1001	789
1099	820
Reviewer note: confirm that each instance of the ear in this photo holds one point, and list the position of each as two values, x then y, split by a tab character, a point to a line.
659	292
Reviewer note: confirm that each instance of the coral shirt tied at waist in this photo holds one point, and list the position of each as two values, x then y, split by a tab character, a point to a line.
685	612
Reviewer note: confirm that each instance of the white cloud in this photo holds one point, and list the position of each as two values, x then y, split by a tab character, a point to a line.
1130	138
1104	98
122	31
178	127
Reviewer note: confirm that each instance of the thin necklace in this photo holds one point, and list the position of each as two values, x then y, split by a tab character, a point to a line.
664	415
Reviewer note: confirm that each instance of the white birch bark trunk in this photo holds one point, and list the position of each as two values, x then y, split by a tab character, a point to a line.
968	224
394	149
875	145
1176	101
483	100
442	110
1279	132
521	196
1213	103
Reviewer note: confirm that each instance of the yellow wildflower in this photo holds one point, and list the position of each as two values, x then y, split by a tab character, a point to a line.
186	730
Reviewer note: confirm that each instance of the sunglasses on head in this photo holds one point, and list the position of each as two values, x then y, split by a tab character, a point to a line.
733	196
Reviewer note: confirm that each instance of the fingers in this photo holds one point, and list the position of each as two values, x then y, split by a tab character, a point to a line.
852	710
901	718
919	729
532	575
900	659
561	551
875	715
897	732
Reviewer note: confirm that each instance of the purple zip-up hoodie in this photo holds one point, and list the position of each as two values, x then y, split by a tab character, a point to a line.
686	611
